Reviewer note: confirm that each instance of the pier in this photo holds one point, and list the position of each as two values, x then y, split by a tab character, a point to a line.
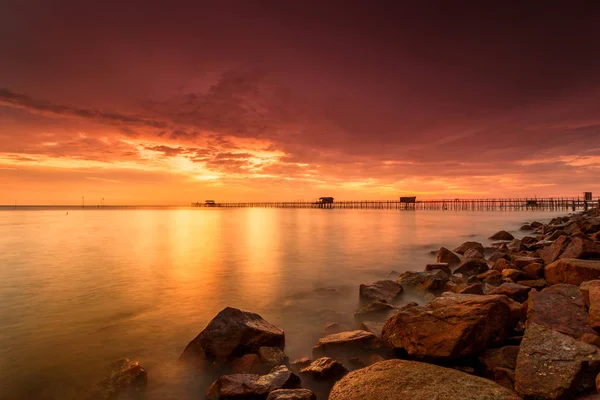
507	204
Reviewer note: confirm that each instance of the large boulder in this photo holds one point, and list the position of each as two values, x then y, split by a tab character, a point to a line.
594	302
292	394
469	245
345	345
512	290
551	253
446	256
401	380
252	387
386	290
426	280
472	266
127	380
572	271
581	248
233	333
502	235
551	365
559	307
449	327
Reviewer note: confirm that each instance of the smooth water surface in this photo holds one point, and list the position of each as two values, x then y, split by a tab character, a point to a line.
78	291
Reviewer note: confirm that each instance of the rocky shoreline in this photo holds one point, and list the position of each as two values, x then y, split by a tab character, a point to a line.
517	320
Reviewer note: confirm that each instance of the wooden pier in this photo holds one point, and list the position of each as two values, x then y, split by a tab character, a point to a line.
509	204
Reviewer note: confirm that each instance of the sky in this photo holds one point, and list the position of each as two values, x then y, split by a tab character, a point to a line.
156	102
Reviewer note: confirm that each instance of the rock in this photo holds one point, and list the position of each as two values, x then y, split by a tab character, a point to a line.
526	227
472	266
446	256
515	245
502	235
501	264
581	248
127	380
324	369
499	364
342	346
551	365
427	280
551	253
492	277
559	307
584	288
381	290
536	224
374	311
373	327
513	290
233	333
300	363
472	253
441	266
572	271
498	254
250	386
247	364
469	245
474	288
594	311
533	270
522	262
538	284
335	327
450	327
512	274
291	394
401	380
272	356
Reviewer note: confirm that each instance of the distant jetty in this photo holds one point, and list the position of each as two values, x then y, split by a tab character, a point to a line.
411	203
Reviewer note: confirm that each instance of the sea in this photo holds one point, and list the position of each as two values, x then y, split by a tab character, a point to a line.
80	288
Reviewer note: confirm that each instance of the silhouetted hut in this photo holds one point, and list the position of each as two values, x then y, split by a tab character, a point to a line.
326	200
209	203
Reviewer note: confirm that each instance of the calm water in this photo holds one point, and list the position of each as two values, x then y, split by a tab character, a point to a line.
81	290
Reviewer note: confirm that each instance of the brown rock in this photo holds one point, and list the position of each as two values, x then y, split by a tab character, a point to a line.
572	271
374	311
526	227
498	254
594	311
534	270
381	290
472	253
291	394
342	346
373	327
505	357
300	363
551	365
581	248
233	333
551	253
441	266
492	277
472	266
449	327
584	288
501	264
324	369
427	280
127	380
538	284
247	364
522	262
513	290
559	307
272	356
512	274
474	288
502	235
446	256
401	380
469	245
252	387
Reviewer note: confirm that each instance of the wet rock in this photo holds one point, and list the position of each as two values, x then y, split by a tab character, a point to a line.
233	333
324	369
472	253
551	253
491	277
446	256
513	290
526	227
427	280
449	327
522	262
374	311
538	284
469	245
272	356
516	245
474	288
551	365
401	380
581	248
559	307
502	263
373	327
502	235
472	266
533	270
252	387
572	271
536	224
381	290
342	346
248	364
292	394
441	266
512	274
127	380
498	254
